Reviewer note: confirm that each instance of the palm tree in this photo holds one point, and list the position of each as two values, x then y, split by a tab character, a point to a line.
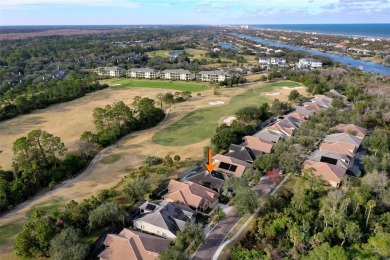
370	205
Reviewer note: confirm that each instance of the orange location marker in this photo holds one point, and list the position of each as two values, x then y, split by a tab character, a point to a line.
210	166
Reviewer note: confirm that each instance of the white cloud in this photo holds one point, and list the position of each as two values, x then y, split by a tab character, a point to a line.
11	4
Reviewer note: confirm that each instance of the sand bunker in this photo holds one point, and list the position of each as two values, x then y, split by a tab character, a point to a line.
117	84
292	88
213	103
229	120
272	94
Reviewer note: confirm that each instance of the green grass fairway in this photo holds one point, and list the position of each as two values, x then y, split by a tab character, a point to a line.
286	84
201	123
164	84
9	232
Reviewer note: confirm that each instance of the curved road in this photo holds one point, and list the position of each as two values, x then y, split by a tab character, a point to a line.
69	182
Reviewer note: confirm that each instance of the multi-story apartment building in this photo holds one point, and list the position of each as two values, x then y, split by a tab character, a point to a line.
214	75
309	63
142	73
110	71
177	74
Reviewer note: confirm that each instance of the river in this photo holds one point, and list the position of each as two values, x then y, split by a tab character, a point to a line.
367	65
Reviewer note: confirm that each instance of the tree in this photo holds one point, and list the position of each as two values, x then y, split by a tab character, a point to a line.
107	213
294	95
380	244
168	161
223	137
279	108
351	232
176	158
190	234
38	151
379	141
245	201
35	236
369	206
68	245
160	97
253	176
169	98
137	189
172	253
266	162
88	144
338	103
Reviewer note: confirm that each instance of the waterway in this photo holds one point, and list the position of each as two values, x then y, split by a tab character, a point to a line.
356	63
228	46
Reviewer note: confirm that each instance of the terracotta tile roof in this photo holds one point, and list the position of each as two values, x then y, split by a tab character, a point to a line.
313	106
339	147
297	115
190	194
240	166
330	173
130	244
257	144
351	128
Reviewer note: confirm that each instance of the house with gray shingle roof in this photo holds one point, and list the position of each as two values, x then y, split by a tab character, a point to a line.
333	158
344	138
163	218
241	153
270	135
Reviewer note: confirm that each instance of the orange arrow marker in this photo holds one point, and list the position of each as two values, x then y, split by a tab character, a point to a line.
210	166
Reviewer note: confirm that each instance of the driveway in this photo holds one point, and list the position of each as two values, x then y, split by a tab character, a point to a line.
222	229
217	235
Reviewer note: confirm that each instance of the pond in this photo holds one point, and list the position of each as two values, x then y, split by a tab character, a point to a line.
367	66
174	54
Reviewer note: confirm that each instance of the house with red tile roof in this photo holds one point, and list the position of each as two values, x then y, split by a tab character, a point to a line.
191	194
257	145
230	165
129	244
332	174
352	129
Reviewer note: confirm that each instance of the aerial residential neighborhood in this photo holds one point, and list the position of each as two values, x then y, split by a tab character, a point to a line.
224	130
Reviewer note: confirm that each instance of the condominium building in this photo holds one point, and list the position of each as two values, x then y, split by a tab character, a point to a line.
309	63
214	75
110	71
177	74
142	73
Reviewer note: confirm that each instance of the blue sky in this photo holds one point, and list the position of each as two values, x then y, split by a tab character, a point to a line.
90	12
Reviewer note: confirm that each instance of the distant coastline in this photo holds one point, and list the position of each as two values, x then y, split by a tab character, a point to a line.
353	30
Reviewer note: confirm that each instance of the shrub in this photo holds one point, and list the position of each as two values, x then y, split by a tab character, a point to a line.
153	160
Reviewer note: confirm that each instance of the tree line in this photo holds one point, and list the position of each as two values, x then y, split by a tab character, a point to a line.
17	101
42	160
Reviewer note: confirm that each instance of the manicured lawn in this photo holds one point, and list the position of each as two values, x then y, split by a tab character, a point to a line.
201	124
164	84
9	232
286	84
111	159
48	207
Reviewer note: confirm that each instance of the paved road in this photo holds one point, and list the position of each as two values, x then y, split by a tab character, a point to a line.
222	229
